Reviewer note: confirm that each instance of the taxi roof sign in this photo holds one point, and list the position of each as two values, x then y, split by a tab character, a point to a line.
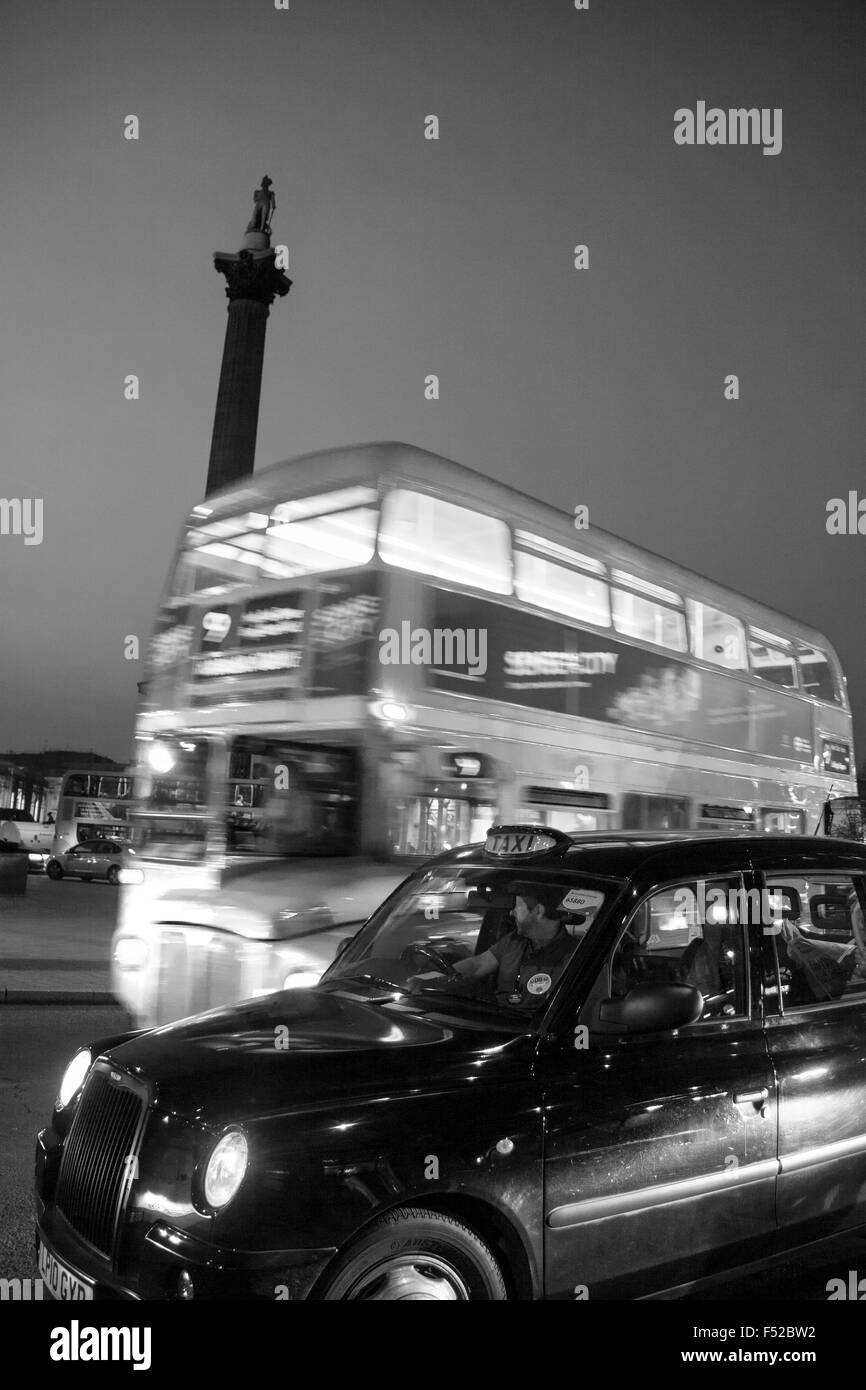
521	841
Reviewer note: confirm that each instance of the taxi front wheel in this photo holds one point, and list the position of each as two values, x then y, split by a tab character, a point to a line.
417	1255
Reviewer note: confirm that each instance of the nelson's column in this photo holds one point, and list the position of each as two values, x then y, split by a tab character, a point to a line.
252	283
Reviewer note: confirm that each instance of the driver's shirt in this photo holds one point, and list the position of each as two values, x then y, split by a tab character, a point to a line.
525	974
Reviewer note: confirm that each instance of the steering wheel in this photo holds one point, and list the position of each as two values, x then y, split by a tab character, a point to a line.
431	954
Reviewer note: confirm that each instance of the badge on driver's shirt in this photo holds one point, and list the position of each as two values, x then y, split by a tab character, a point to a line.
539	984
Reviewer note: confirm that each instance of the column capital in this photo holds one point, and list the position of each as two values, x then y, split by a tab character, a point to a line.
252	275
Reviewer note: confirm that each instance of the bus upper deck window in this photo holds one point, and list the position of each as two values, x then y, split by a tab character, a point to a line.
561	589
333	530
716	636
772	658
648	612
431	536
817	676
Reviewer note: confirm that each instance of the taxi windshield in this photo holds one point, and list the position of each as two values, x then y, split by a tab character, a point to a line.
488	935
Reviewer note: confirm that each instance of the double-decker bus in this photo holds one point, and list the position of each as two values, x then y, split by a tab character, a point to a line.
92	805
368	654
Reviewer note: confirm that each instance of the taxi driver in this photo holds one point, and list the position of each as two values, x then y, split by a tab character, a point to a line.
527	961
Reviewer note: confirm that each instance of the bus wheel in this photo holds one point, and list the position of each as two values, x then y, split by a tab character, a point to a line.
113	874
417	1255
53	869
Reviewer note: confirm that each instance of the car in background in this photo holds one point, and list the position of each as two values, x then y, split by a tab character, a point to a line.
87	860
545	1068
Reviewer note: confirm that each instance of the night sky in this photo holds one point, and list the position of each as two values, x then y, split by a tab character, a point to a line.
409	257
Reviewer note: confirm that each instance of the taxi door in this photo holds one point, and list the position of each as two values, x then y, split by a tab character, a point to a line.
816	1030
660	1150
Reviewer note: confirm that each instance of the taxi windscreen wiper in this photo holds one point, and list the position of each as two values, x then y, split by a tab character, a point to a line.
483	999
362	978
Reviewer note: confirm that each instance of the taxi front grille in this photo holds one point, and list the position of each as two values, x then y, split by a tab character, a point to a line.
99	1158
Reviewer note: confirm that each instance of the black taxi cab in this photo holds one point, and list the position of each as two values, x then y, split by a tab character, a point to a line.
547	1067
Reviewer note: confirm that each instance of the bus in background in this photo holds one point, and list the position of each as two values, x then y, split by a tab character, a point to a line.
365	656
91	806
845	818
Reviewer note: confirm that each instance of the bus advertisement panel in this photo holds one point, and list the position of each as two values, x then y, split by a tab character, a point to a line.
542	664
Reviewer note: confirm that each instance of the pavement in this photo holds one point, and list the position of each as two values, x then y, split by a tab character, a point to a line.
35	1046
55	942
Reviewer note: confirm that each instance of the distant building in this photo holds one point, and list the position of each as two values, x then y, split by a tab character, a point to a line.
31	781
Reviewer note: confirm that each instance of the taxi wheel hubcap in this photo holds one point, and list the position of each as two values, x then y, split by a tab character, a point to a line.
413	1277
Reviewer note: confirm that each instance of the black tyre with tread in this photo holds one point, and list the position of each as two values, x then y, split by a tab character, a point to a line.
416	1254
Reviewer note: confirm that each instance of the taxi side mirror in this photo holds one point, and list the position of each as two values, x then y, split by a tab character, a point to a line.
347	941
651	1008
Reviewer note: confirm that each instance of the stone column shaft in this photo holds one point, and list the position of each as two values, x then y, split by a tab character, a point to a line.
253	282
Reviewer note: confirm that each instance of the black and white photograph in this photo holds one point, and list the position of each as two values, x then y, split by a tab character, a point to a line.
432	669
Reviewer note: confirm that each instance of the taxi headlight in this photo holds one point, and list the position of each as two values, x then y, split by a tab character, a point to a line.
225	1168
130	953
73	1077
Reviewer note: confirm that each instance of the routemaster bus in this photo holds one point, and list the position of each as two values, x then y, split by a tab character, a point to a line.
92	805
367	655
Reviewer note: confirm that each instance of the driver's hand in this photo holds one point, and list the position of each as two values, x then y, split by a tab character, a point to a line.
418	981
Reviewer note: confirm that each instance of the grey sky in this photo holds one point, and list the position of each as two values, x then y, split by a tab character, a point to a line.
409	257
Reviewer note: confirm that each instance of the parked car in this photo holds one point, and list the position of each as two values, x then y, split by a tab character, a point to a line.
545	1068
89	859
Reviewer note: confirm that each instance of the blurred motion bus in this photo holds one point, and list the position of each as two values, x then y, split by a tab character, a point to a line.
366	655
91	806
845	818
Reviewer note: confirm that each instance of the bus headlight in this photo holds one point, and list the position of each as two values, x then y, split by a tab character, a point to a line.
130	953
225	1168
161	757
392	711
302	979
73	1077
130	876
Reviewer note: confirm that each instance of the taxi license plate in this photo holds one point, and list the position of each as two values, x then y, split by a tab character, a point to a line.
59	1279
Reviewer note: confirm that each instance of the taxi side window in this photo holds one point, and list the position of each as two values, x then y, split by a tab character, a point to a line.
687	933
821	941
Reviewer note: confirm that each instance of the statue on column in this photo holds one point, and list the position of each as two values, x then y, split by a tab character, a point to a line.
264	205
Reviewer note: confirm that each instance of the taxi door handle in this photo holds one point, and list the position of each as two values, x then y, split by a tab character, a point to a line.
759	1098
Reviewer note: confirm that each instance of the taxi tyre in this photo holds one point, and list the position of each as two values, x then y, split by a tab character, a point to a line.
54	870
414	1253
113	873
